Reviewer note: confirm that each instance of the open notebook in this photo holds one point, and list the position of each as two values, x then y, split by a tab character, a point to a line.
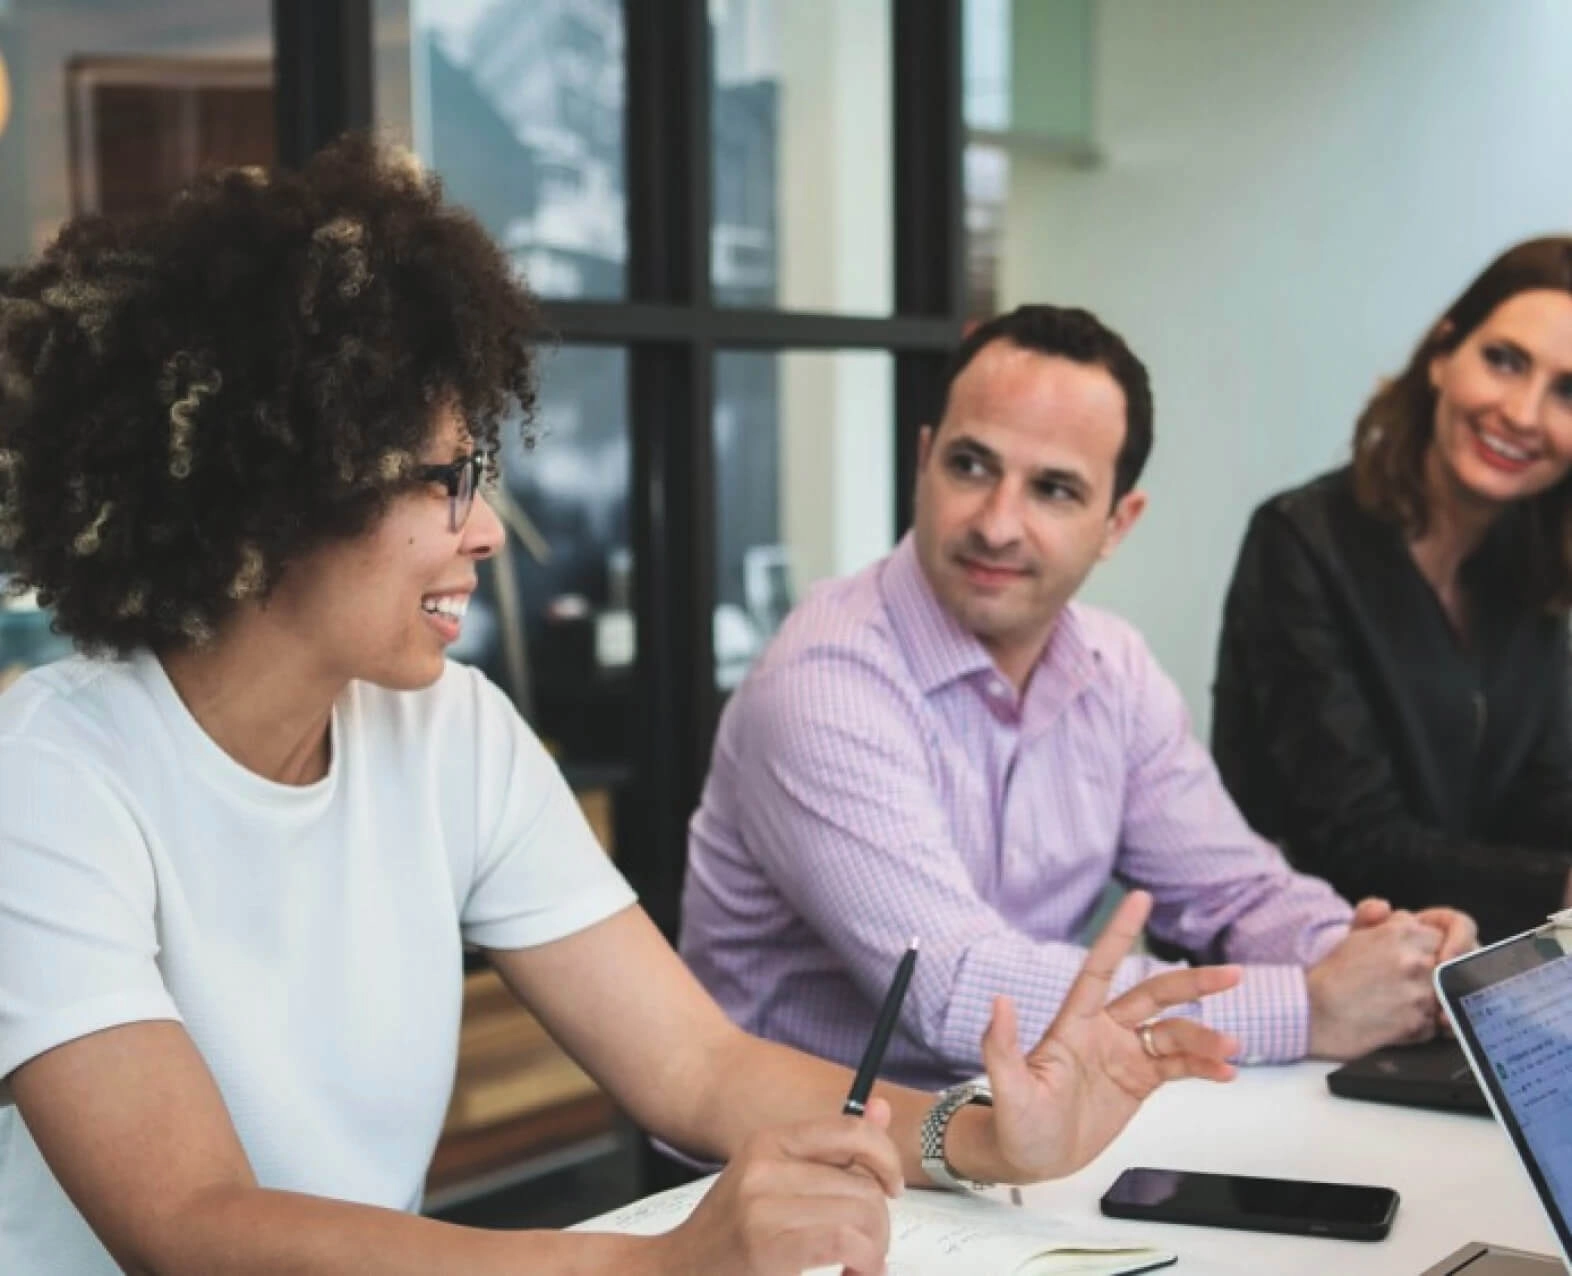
938	1234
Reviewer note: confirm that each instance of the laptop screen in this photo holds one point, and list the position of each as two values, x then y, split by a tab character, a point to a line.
1513	1005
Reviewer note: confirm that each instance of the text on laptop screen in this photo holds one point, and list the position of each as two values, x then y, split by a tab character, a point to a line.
1524	1028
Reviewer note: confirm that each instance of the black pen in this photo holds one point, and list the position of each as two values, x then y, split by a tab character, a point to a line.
883	1026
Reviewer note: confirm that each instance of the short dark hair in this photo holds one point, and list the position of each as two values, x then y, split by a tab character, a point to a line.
193	400
1078	335
1393	432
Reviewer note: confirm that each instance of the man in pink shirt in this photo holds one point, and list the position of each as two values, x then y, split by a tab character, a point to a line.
945	745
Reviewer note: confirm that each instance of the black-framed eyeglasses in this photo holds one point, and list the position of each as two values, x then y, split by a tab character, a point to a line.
462	479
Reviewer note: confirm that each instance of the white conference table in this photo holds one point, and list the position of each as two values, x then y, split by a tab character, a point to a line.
1457	1175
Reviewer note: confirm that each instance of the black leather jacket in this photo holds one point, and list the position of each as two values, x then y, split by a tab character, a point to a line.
1353	727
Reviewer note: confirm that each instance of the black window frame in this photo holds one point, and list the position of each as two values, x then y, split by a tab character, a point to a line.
672	327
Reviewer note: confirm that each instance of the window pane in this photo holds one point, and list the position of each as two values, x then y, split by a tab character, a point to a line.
805	484
553	620
802	163
986	104
1027	98
987	176
986	75
519	105
111	105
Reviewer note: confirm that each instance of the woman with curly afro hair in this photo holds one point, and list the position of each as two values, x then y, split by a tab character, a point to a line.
245	832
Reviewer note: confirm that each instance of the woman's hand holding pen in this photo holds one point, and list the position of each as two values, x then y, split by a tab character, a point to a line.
1059	1105
797	1197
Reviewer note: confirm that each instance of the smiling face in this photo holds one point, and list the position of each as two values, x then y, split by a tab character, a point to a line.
1014	502
384	607
1503	414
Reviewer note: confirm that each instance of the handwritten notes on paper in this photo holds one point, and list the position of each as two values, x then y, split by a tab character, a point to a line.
937	1234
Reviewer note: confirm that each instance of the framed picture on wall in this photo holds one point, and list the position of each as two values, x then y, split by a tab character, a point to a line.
140	128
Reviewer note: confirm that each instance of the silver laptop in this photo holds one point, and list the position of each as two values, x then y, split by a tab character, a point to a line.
1512	1006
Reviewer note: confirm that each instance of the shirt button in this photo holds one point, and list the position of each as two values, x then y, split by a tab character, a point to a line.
998	688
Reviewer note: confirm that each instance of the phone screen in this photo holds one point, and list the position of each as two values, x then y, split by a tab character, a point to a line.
1232	1200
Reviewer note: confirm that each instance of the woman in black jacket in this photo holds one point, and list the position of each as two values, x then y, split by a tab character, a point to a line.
1392	701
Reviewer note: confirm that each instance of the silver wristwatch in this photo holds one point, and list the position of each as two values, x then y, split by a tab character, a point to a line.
933	1130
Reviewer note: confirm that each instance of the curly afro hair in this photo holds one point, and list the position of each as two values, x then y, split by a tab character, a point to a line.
191	401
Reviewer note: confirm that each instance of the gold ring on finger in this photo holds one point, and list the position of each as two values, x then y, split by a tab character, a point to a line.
1148	1042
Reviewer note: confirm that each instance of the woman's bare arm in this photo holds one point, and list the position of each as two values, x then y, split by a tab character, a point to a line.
133	1126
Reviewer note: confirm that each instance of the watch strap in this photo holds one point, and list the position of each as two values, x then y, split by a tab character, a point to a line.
937	1123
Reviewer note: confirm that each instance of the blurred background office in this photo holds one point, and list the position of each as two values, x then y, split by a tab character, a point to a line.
758	226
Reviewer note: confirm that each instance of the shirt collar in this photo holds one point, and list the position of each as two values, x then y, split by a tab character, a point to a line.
940	651
1070	662
937	648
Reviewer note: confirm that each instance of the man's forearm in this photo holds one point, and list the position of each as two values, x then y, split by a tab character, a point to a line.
1268	1013
1035	976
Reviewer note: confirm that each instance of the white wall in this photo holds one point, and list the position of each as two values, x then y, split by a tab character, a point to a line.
1291	192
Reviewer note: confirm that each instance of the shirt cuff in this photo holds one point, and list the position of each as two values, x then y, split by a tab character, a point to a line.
1267	1012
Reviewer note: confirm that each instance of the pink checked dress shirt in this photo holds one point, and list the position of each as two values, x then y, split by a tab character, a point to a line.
876	778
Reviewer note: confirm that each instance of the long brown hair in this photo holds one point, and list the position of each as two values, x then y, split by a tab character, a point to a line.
1394	431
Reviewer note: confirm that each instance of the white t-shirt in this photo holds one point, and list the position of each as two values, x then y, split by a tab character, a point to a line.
309	938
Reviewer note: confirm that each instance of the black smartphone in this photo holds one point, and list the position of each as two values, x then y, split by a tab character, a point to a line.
1349	1211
